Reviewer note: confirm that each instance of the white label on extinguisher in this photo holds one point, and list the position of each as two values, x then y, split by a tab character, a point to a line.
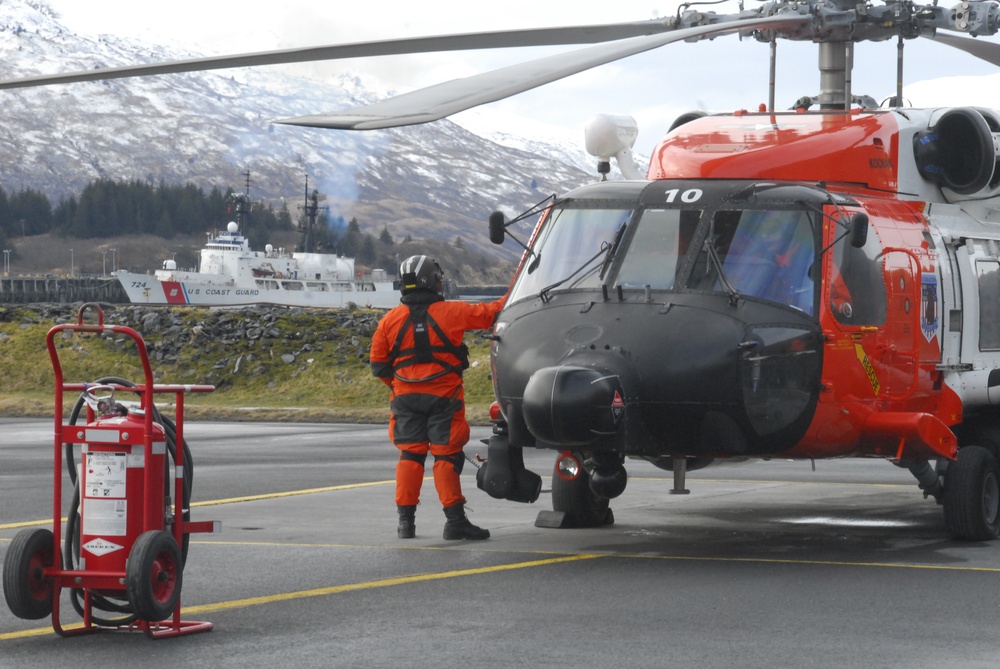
101	546
98	436
104	516
105	475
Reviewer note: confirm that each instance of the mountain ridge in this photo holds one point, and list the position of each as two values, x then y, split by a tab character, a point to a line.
208	128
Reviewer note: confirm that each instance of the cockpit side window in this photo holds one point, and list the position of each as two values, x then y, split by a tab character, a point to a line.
661	239
857	288
768	254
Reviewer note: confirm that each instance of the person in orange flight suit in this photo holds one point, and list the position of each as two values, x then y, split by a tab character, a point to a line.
417	351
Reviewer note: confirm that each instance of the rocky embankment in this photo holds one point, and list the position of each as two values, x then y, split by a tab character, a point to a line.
284	363
233	338
312	360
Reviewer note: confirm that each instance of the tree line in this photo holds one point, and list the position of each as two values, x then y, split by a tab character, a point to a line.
107	208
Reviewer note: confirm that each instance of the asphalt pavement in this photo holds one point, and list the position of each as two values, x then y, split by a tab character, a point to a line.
763	564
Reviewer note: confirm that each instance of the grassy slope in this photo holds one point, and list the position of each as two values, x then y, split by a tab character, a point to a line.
329	380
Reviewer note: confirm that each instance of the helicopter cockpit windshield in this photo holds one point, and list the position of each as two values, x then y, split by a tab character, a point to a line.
761	253
767	254
569	250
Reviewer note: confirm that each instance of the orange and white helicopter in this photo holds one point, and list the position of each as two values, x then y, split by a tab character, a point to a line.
813	283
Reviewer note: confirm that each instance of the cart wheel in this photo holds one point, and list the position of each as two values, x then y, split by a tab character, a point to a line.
153	576
28	592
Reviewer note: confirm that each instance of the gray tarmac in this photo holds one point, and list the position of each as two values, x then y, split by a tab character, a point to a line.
763	564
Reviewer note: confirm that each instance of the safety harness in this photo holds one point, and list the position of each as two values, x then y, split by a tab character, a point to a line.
421	323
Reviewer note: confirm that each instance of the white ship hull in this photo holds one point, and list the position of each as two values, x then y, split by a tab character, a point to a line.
232	274
217	290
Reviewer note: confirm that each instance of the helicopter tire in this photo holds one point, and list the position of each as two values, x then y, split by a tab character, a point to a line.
28	593
582	507
972	495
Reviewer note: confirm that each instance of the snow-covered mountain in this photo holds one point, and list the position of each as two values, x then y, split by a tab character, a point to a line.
436	180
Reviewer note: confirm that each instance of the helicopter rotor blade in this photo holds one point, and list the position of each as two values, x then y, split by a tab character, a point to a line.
592	34
441	100
988	51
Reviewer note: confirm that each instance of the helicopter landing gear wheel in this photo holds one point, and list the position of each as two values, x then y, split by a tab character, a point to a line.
582	507
28	593
153	576
972	495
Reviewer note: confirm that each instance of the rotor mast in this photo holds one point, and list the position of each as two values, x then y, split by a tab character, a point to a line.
836	60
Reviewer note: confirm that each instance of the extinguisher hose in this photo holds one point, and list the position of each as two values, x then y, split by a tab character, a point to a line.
71	544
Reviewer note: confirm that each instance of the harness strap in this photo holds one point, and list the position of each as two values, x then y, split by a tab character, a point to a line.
420	323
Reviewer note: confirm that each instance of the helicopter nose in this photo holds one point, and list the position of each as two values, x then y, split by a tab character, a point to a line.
573	405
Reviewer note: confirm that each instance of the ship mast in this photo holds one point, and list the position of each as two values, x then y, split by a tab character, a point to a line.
242	203
311	209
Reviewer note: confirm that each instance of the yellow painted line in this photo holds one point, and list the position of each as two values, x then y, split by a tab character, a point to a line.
382	583
38	631
29	523
423	578
353	486
643	556
338	589
290	493
822	563
230	500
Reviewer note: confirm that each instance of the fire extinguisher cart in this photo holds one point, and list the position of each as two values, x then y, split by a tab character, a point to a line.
127	526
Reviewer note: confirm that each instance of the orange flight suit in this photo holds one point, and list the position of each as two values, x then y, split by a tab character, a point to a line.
427	398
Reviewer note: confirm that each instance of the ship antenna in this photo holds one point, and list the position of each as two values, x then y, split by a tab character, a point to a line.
245	204
311	209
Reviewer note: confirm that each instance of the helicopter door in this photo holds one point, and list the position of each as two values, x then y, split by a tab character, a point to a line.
853	314
901	339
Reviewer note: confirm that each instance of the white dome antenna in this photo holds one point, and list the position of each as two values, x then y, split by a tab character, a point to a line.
613	136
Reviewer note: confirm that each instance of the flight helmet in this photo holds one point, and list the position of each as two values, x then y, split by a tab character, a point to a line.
420	273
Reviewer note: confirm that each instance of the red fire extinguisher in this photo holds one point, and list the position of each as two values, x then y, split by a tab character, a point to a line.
114	475
127	525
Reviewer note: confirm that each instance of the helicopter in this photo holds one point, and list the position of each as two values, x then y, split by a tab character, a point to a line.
816	282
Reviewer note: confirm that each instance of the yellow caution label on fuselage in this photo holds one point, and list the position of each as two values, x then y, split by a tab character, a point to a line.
868	366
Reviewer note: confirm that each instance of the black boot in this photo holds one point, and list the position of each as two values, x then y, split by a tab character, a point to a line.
459	527
407	526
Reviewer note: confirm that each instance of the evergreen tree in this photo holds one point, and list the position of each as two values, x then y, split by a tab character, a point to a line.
366	254
5	213
350	243
31	213
385	237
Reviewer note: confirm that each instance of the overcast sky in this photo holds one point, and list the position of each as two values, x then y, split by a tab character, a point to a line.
720	75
